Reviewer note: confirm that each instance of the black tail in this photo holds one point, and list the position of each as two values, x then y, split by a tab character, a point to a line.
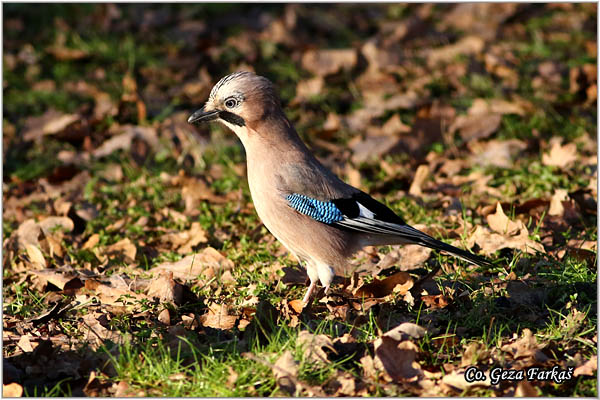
423	239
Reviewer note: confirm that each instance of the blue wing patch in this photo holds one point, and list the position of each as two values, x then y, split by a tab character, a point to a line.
322	211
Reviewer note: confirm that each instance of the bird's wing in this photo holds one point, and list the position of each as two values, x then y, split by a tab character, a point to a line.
358	212
361	213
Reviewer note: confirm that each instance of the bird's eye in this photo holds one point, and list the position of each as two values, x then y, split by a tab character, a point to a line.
231	103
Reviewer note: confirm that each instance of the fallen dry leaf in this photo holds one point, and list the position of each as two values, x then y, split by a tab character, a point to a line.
589	368
457	380
206	263
490	242
400	283
405	331
327	62
499	153
25	344
435	300
313	346
124	248
35	255
556	206
397	360
525	347
467	45
164	317
420	177
500	223
296	305
184	241
285	370
308	88
124	139
50	123
95	331
405	258
512	234
525	389
61	278
560	155
218	317
343	384
12	390
481	19
165	289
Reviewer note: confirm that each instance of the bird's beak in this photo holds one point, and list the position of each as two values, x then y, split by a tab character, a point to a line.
203	116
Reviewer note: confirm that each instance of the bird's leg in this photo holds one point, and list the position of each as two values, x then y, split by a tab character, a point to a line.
313	274
311	289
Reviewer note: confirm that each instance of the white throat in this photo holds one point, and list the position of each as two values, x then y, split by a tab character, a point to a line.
240	131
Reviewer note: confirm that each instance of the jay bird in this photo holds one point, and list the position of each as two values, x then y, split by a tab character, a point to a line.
320	219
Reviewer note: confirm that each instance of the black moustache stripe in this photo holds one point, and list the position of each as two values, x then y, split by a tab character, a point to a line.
232	118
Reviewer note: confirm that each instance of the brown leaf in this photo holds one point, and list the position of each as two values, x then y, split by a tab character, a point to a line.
457	380
420	177
327	62
124	139
477	126
525	347
525	389
371	148
62	53
28	233
115	291
165	289
490	242
308	88
35	255
344	385
400	283
12	390
406	258
392	127
183	241
556	206
285	370
313	346
397	359
588	368
208	263
435	300
50	123
513	235
165	317
95	331
296	305
500	223
217	317
332	123
474	352
406	330
25	344
482	19
467	45
559	155
123	248
91	242
499	153
60	278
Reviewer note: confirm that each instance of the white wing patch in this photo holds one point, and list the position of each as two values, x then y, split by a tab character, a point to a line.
365	212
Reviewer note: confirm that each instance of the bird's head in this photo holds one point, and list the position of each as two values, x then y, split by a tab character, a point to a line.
240	101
